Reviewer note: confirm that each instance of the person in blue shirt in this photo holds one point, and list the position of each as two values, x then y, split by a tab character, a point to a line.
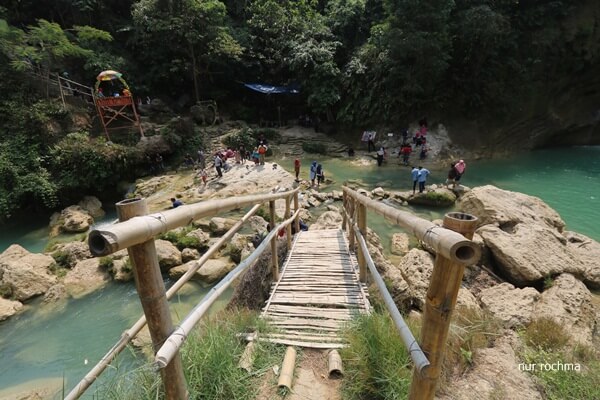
415	177
175	202
423	174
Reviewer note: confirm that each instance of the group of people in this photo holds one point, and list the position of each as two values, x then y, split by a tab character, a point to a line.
316	174
419	175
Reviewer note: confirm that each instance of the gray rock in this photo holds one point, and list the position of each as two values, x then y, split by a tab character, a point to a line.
327	220
73	252
416	268
168	255
56	293
87	276
513	306
219	226
400	242
92	205
8	308
189	255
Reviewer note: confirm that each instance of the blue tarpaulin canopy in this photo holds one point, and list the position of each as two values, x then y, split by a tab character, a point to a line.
268	89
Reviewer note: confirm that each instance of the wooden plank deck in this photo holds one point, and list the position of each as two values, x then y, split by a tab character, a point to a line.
317	294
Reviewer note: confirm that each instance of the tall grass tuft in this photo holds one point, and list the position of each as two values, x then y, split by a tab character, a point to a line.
377	363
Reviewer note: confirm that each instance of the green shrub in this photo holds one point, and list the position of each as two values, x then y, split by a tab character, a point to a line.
61	258
105	263
546	334
58	270
243	137
314	148
180	239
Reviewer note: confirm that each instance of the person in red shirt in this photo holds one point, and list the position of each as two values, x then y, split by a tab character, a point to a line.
297	168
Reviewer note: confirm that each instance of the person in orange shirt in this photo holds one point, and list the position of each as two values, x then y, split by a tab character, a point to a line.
297	168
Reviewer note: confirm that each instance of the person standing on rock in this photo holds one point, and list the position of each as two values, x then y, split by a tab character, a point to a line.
415	177
320	174
380	154
297	169
423	174
262	150
459	167
218	165
313	173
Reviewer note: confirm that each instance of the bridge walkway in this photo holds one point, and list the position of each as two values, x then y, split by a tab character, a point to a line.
317	294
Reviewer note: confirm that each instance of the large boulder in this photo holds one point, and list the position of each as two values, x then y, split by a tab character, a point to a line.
92	205
74	219
210	272
571	305
236	247
496	206
122	270
26	280
219	226
146	188
416	268
55	294
203	237
513	306
528	253
13	253
327	220
189	255
8	308
588	251
168	255
86	277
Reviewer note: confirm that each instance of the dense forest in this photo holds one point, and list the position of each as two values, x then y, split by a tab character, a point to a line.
356	62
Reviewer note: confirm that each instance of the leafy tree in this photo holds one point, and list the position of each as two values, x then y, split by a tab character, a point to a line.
197	32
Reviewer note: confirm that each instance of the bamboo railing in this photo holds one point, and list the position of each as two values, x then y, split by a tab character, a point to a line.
141	229
453	253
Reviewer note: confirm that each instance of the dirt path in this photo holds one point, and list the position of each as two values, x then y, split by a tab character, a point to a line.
311	381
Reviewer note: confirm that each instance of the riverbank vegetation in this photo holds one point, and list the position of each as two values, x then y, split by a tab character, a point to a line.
358	63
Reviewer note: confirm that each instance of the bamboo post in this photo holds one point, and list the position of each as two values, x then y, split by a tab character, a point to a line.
351	223
345	205
443	289
151	289
60	89
287	369
274	260
296	206
288	228
362	226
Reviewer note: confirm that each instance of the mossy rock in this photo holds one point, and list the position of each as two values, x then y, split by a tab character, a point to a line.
440	197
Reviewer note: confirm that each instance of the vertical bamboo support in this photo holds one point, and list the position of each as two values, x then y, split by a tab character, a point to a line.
351	223
296	206
151	289
60	89
345	205
443	289
362	226
275	262
288	228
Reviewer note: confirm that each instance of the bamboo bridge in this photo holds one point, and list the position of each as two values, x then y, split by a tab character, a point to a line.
321	285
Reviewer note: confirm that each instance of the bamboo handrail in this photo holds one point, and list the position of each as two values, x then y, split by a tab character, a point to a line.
449	244
172	344
137	230
128	335
416	353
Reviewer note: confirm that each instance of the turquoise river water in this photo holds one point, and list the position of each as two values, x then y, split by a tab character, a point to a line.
46	346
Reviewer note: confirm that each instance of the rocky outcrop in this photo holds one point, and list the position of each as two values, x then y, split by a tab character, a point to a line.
8	308
494	374
92	205
72	219
70	253
505	208
189	255
122	270
86	277
168	255
400	242
212	270
203	237
438	197
236	247
25	274
570	304
513	306
219	226
416	268
145	188
56	293
327	220
528	253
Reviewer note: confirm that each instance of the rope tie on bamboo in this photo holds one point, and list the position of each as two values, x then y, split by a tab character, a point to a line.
160	217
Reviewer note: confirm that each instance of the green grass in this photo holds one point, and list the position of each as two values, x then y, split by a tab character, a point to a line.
181	241
377	365
210	358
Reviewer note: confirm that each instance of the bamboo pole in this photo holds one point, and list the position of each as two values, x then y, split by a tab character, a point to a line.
289	227
274	260
449	244
296	207
351	222
362	226
441	298
345	205
287	369
172	344
132	332
137	230
334	364
151	289
60	89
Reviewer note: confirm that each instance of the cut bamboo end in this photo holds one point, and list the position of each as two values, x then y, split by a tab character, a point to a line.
247	358
336	370
287	369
